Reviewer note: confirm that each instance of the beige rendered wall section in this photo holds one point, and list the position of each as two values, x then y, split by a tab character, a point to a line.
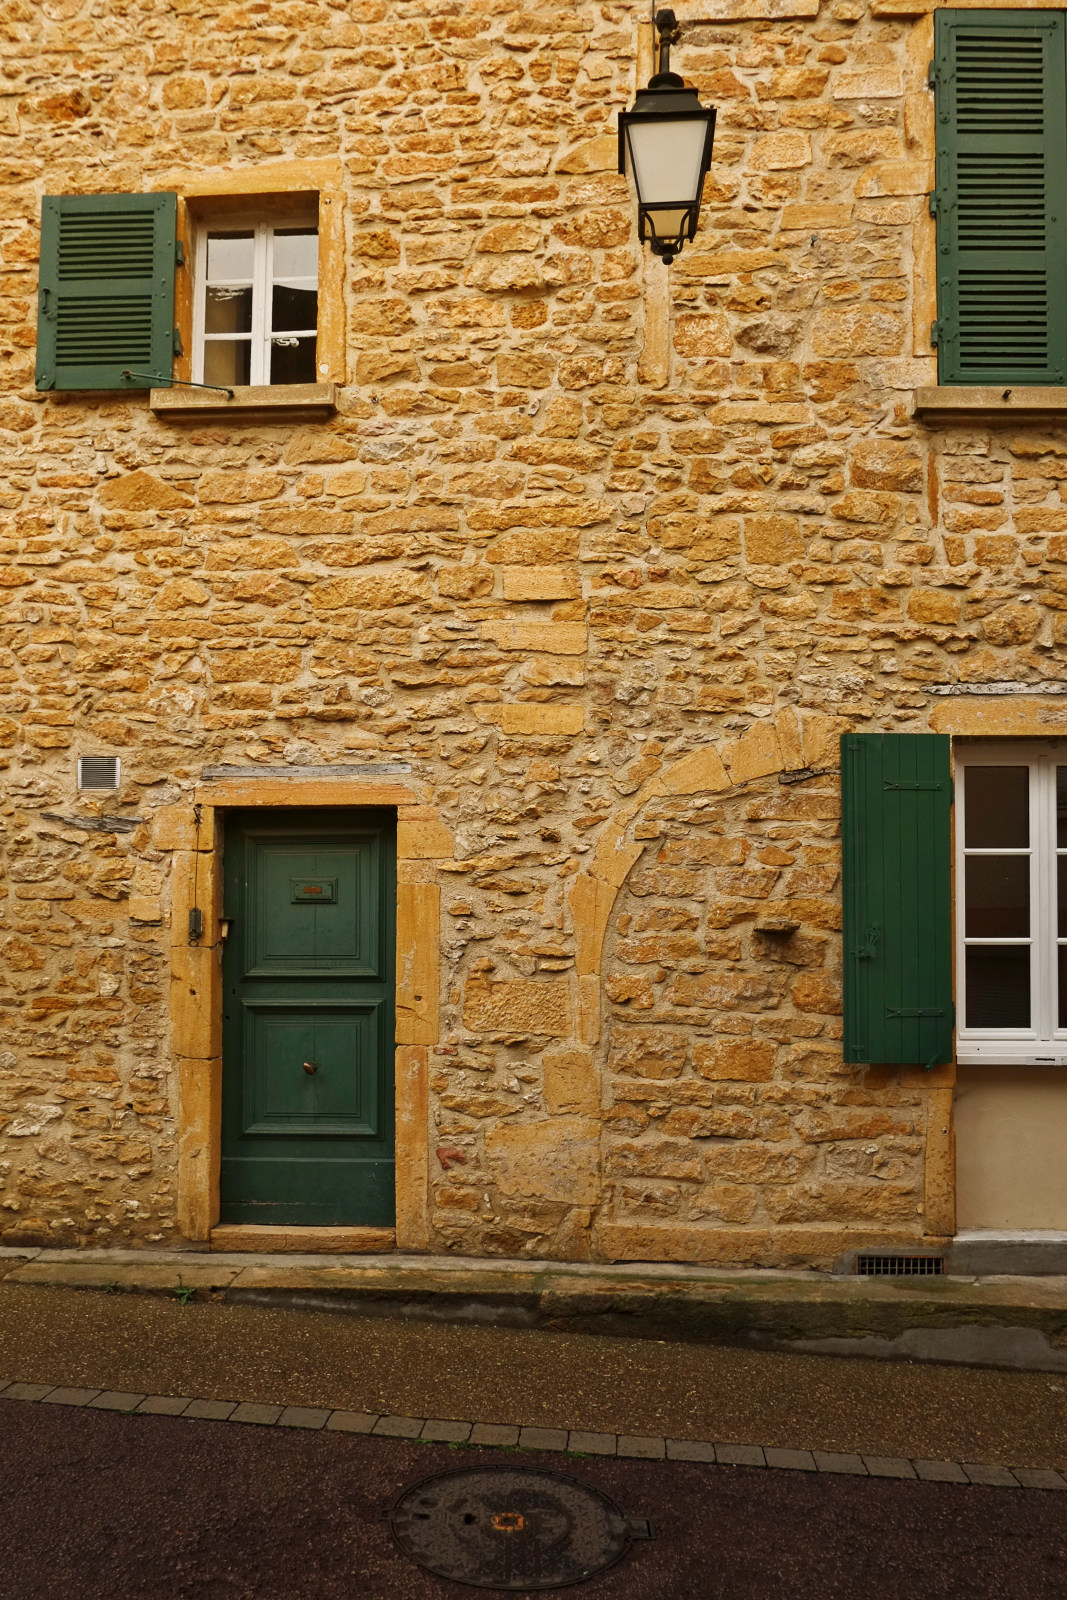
1011	1135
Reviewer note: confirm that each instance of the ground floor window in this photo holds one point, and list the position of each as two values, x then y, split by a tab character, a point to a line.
1011	914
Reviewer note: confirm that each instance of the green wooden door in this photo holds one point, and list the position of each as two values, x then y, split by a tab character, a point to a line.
308	1018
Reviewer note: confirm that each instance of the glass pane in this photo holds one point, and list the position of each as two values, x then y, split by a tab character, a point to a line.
1061	807
665	158
998	986
228	310
1062	975
998	897
229	255
227	361
1061	896
997	805
292	360
296	253
294	308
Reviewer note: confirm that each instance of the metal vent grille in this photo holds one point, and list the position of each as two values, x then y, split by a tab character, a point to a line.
99	772
106	245
999	84
900	1266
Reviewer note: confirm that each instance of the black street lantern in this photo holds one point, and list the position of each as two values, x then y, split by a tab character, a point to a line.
665	142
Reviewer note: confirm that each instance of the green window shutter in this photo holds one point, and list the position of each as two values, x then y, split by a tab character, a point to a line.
896	794
106	297
1001	196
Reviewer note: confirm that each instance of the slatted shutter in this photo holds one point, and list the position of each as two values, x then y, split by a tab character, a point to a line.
896	793
1001	196
106	298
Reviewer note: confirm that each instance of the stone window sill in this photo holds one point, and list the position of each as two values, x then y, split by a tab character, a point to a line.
1007	403
276	402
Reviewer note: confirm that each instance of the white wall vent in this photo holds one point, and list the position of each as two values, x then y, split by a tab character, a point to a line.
99	772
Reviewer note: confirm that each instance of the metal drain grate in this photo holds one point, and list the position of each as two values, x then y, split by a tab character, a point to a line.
510	1528
900	1266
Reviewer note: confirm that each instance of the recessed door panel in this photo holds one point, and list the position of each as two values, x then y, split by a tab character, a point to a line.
308	1024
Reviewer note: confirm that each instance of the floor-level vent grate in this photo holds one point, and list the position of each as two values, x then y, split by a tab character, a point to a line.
900	1266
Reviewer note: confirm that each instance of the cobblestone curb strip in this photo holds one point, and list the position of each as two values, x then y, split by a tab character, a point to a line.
508	1437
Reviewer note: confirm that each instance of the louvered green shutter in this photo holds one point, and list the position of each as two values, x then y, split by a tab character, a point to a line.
1001	196
106	298
896	795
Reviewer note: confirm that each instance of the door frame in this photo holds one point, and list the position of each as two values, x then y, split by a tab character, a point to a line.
193	832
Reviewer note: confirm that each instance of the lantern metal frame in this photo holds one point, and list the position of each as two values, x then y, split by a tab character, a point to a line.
666	99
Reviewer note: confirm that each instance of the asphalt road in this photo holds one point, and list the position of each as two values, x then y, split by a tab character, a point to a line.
151	1344
98	1506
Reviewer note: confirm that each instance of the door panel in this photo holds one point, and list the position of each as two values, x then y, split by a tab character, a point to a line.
308	1025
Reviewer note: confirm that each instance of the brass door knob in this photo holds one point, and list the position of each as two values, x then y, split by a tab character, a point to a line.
309	1068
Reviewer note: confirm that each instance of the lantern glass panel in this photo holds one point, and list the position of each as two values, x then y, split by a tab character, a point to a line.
666	159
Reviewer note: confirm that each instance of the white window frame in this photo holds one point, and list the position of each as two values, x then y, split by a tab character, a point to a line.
1043	1043
262	228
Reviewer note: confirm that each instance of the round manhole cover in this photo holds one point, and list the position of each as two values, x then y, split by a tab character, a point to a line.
510	1528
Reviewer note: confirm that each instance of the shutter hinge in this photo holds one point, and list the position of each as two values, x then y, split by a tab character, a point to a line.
179	253
935	334
176	342
886	784
935	203
931	76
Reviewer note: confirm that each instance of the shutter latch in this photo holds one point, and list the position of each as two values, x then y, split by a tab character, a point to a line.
866	951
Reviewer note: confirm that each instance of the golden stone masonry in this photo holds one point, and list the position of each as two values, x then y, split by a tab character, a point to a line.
574	565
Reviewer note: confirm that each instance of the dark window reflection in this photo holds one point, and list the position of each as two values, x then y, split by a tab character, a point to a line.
997	807
998	986
1061	966
998	897
294	308
292	360
1061	807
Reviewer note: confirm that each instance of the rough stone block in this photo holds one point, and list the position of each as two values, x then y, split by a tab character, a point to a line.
557	1158
518	1005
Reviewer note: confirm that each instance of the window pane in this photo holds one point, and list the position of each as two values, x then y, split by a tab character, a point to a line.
997	806
292	360
294	308
1061	807
1061	896
998	897
296	253
227	361
229	255
228	310
998	986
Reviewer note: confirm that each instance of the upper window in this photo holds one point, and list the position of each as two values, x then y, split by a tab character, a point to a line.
256	306
1001	196
1011	841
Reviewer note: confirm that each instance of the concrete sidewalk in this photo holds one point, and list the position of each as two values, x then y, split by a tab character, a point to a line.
1013	1322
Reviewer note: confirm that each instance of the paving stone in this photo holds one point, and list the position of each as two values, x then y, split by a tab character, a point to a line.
351	1421
542	1438
740	1455
940	1472
498	1433
303	1417
690	1450
831	1461
115	1400
399	1427
888	1467
210	1410
70	1397
247	1411
446	1432
640	1446
1039	1478
995	1477
591	1444
791	1460
163	1405
28	1391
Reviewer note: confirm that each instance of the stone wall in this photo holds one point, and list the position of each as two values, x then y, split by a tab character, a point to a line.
568	527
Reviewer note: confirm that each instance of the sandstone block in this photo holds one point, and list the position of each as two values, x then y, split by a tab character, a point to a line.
858	331
517	1005
706	334
371	593
551	638
647	1052
1012	624
571	1081
868	83
933	605
780	152
817	218
818	991
545	717
557	1158
141	491
238	488
886	464
540	583
772	540
738	1060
